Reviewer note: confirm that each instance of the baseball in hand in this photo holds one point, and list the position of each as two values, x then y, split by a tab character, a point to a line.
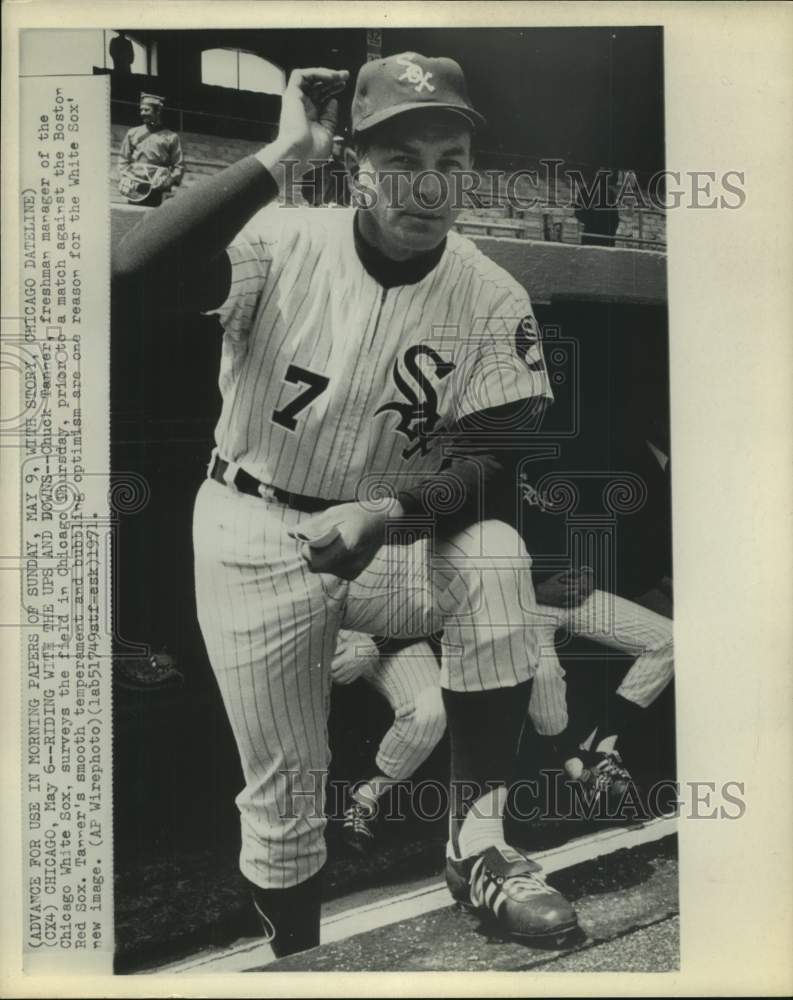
329	535
309	111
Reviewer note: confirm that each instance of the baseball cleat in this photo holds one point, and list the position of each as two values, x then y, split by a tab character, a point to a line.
357	829
605	778
504	885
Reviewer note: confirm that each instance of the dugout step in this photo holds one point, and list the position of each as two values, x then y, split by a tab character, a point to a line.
626	892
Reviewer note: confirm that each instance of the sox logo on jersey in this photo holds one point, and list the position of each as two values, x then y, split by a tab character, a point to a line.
422	402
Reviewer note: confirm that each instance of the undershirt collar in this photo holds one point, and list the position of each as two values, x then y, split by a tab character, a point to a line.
390	273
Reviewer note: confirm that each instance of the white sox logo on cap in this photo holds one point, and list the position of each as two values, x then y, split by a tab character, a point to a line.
399	83
416	75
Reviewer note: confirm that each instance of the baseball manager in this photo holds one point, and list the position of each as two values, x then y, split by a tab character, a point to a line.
364	349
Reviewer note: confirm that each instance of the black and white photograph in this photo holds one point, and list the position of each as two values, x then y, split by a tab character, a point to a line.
349	524
406	437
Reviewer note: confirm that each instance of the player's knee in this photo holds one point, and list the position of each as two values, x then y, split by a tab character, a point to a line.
509	568
493	538
548	725
502	539
665	655
499	582
428	718
548	673
664	647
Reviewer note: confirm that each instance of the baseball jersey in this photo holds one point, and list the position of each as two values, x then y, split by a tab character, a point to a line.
331	382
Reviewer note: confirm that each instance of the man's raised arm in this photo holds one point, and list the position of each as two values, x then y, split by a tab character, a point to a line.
175	256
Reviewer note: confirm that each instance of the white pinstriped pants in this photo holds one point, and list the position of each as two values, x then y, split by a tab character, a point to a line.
270	627
408	679
611	621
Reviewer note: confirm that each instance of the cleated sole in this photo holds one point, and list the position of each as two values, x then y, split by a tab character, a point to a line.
557	935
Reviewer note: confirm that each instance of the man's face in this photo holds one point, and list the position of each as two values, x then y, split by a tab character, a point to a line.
409	170
149	114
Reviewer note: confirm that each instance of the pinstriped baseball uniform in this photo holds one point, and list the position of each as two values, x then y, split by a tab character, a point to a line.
317	356
614	622
329	380
408	680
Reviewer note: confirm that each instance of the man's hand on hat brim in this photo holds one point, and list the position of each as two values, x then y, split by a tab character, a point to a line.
309	111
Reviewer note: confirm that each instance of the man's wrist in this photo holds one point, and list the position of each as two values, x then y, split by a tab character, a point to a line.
284	163
389	510
386	513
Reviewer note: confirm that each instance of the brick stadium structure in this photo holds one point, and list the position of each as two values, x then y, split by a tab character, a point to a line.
591	98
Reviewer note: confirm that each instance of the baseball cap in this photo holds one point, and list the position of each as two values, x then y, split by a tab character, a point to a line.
404	82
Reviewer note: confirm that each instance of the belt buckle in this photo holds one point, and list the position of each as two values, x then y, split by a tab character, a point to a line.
266	492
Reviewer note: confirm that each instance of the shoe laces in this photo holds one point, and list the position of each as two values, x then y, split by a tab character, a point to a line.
601	771
358	817
528	883
610	767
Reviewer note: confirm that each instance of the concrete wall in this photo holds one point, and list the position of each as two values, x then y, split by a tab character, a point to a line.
560	271
549	271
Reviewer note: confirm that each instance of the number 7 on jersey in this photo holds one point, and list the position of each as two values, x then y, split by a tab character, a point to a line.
317	384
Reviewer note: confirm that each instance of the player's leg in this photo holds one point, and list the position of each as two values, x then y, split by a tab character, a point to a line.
357	655
548	702
477	587
407	676
490	652
409	679
270	629
628	628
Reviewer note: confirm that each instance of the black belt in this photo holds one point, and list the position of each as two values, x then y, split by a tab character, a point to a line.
246	483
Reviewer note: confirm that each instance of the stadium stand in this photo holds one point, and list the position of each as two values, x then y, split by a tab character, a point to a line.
524	212
519	227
